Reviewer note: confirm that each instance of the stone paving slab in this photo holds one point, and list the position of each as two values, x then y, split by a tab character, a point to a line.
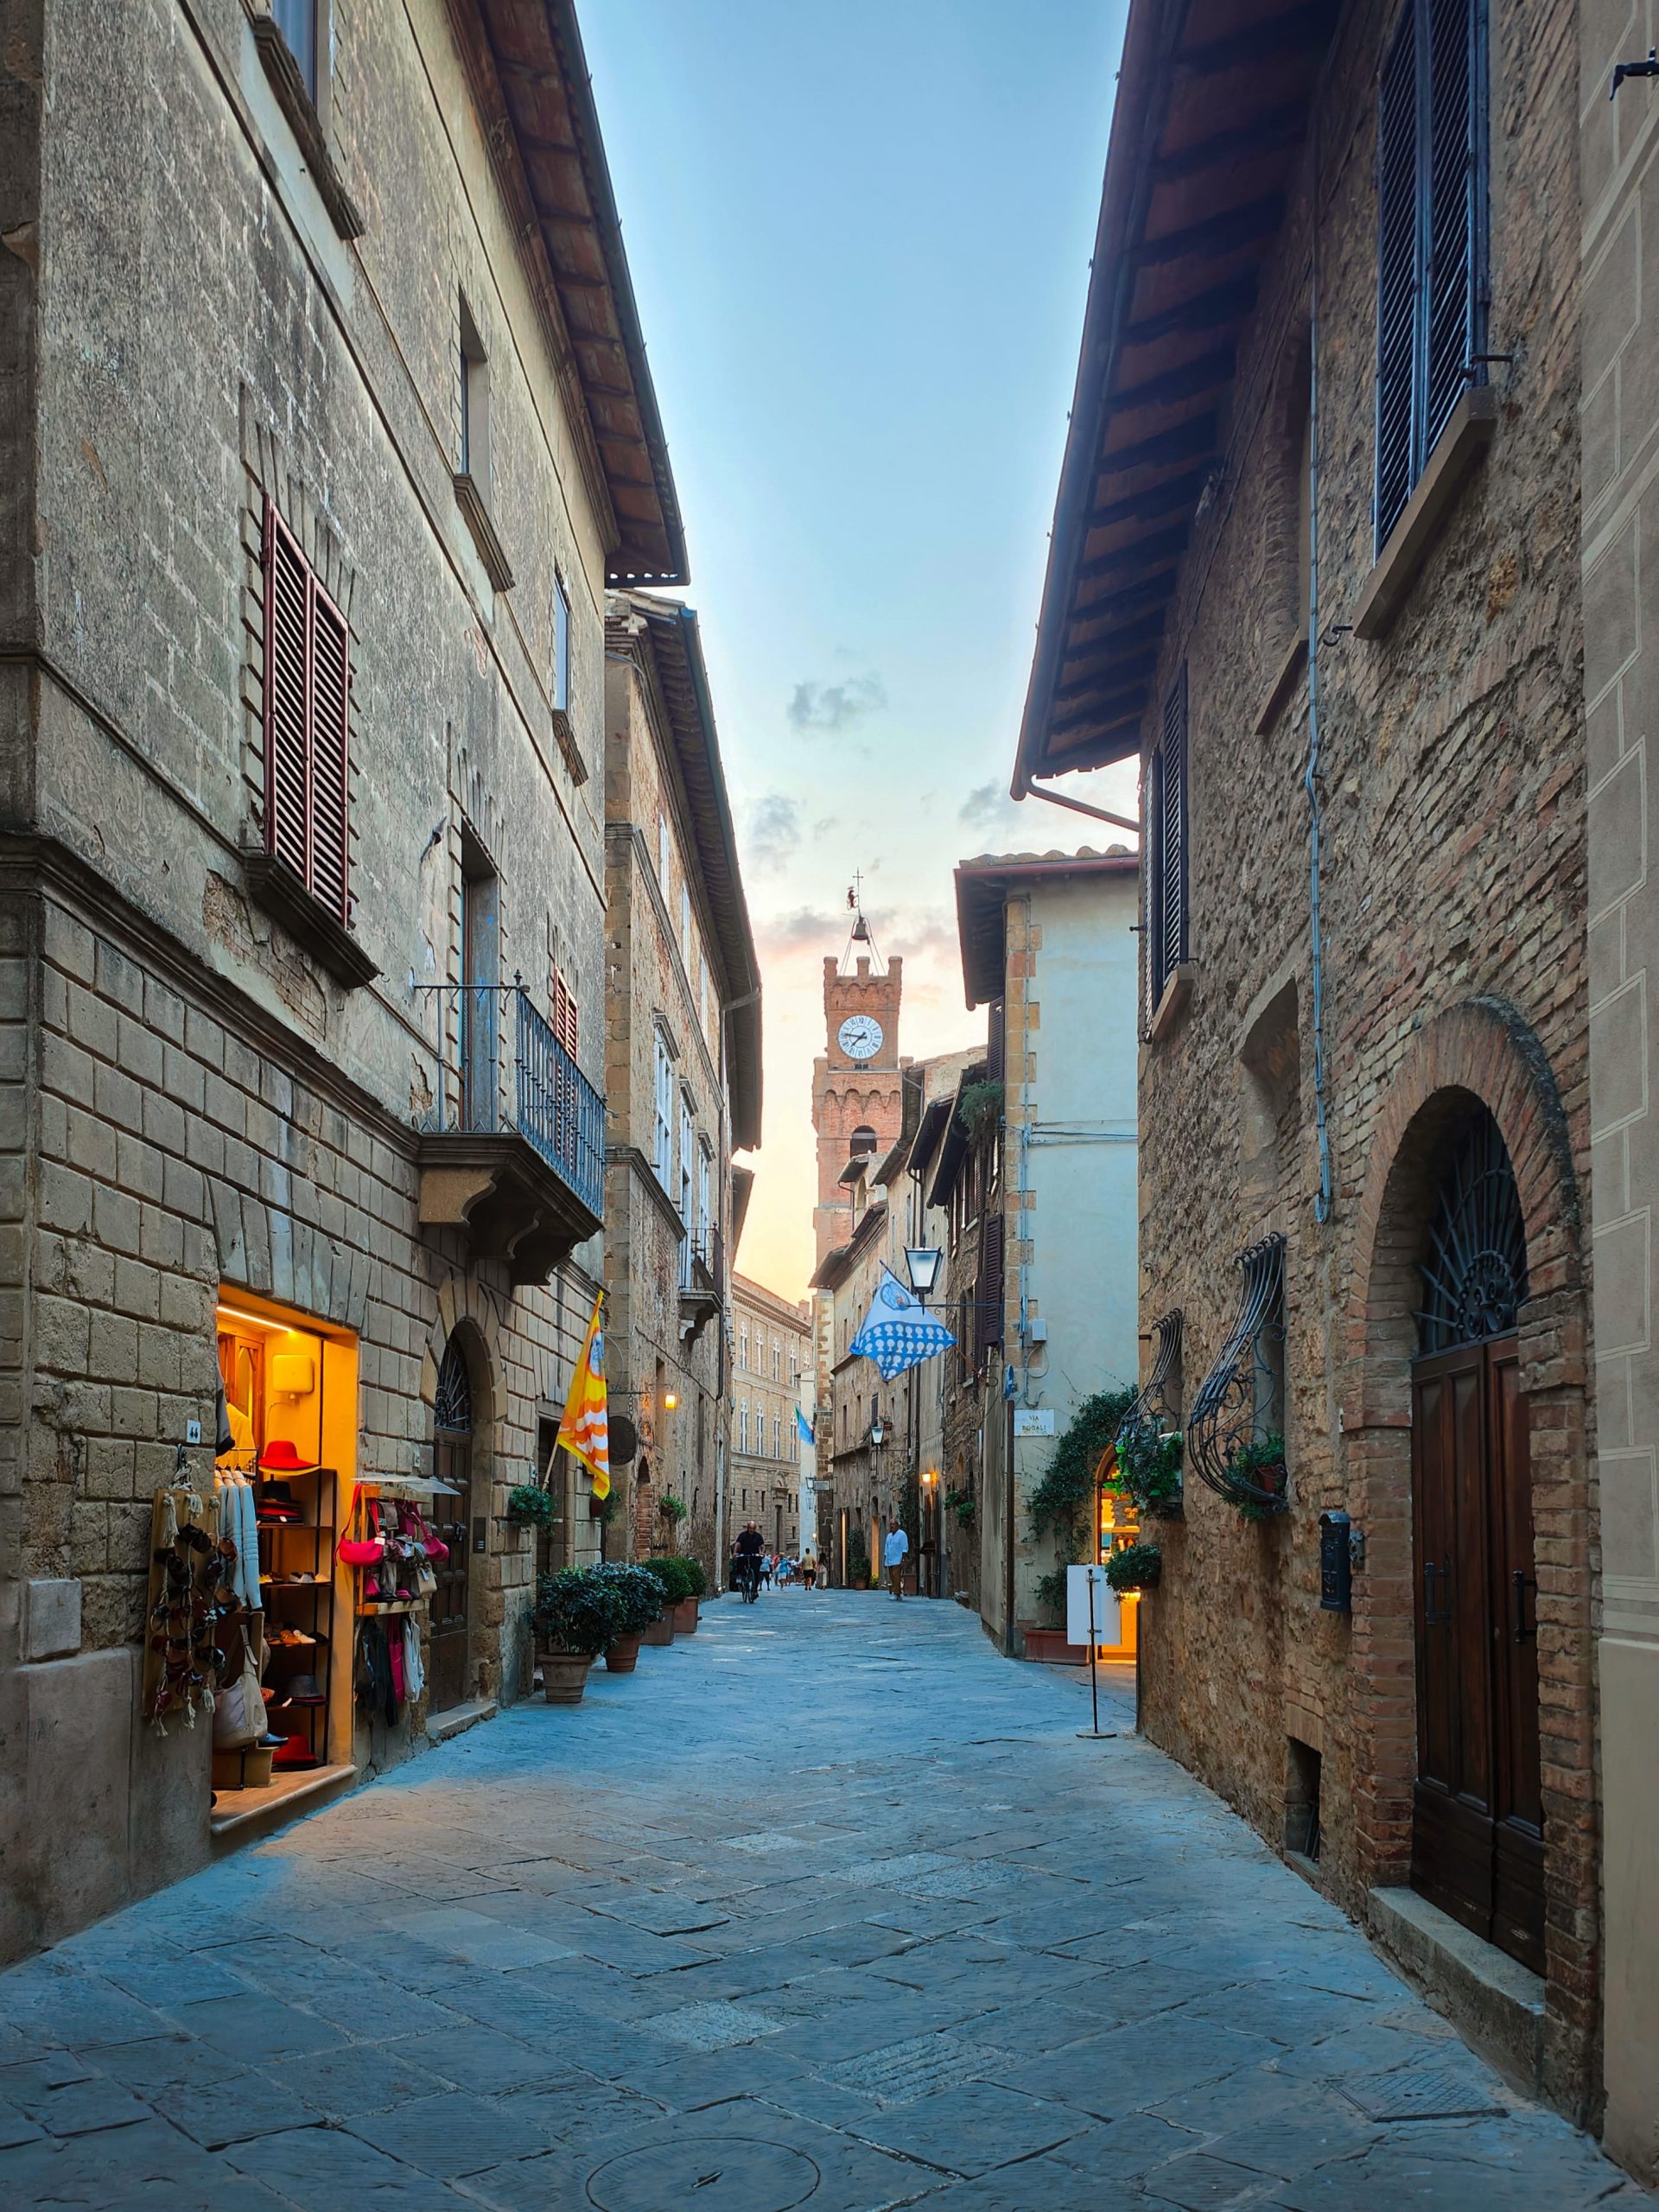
626	1956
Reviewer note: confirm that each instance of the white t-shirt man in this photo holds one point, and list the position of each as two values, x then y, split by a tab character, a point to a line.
892	1558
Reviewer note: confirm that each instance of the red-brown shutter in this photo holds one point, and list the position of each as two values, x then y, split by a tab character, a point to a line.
330	687
995	1042
990	1281
287	695
308	706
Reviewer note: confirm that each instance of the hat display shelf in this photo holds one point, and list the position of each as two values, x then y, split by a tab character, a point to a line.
295	1506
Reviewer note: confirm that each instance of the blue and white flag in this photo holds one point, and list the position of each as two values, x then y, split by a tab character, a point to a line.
803	1425
898	1332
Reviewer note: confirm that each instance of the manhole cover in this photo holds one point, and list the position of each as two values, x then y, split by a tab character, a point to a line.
705	2173
1419	2093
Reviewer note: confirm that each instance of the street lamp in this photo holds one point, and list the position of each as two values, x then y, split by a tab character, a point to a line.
877	1433
922	1264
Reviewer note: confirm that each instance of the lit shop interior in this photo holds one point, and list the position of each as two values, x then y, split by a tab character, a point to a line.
296	1595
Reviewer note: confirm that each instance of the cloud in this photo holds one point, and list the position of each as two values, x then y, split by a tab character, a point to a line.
986	803
774	832
833	706
806	926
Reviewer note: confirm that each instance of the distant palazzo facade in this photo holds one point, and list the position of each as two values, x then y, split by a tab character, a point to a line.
771	1353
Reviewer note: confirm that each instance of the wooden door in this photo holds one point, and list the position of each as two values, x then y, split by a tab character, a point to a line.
449	1669
1476	1825
480	971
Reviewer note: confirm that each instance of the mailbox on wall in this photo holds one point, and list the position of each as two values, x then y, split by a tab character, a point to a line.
1336	1563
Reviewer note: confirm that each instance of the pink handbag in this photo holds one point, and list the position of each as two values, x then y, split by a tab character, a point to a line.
365	1550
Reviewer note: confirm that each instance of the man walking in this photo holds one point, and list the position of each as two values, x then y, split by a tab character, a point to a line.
894	1553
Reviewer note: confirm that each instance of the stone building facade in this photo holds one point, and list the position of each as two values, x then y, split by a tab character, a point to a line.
1324	582
1618	157
683	1076
324	420
1047	944
771	1377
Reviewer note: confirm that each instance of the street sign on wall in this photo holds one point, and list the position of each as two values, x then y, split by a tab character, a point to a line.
1033	1420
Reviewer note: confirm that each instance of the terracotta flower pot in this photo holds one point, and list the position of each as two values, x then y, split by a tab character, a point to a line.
1049	1647
685	1617
623	1654
660	1632
564	1676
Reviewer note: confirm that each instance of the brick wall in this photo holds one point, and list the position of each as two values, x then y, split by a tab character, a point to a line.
1453	878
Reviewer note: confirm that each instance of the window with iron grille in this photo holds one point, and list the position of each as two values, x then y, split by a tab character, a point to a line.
307	692
1431	190
1166	847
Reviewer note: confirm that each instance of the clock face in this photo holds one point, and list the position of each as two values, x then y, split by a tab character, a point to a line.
860	1036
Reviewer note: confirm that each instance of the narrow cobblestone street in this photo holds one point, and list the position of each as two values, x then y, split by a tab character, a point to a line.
827	1905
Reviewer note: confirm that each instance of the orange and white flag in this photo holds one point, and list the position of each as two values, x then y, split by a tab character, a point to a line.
584	1430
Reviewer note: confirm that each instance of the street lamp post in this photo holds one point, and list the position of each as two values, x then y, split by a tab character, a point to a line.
922	1263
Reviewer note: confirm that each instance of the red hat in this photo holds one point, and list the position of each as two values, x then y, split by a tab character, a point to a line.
280	1458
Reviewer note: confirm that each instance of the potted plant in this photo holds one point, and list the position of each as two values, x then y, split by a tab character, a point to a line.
1259	1466
1044	1639
672	1507
668	1572
685	1609
637	1601
572	1623
1137	1567
1145	1466
529	1506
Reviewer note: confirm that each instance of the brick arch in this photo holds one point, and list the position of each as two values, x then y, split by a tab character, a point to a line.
1479	1051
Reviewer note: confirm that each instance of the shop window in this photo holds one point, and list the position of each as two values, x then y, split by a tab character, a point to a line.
283	1479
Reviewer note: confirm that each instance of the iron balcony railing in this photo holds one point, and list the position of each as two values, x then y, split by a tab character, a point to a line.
510	1073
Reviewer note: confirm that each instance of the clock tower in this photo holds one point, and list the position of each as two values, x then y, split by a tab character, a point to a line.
857	1082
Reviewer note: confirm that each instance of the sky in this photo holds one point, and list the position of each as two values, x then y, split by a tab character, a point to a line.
859	236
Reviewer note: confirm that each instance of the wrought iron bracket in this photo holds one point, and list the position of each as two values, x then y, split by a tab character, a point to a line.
1226	1416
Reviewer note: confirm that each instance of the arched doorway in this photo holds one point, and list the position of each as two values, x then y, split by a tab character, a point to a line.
1477	1847
449	1671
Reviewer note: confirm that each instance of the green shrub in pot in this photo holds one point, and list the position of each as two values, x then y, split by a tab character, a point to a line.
672	1577
636	1597
575	1610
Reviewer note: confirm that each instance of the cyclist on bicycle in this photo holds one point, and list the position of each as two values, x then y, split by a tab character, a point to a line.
746	1560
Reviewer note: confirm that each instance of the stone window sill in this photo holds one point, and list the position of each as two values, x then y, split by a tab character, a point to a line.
476	515
1172	1004
274	888
1460	445
276	59
1284	683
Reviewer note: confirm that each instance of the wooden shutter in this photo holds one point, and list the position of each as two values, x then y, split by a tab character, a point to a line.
995	1047
331	680
1397	278
308	696
1431	242
288	695
990	1281
1453	207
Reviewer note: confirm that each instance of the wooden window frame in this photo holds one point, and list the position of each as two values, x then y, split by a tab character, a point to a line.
1431	305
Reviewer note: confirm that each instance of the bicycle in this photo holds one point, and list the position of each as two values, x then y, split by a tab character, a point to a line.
745	1577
